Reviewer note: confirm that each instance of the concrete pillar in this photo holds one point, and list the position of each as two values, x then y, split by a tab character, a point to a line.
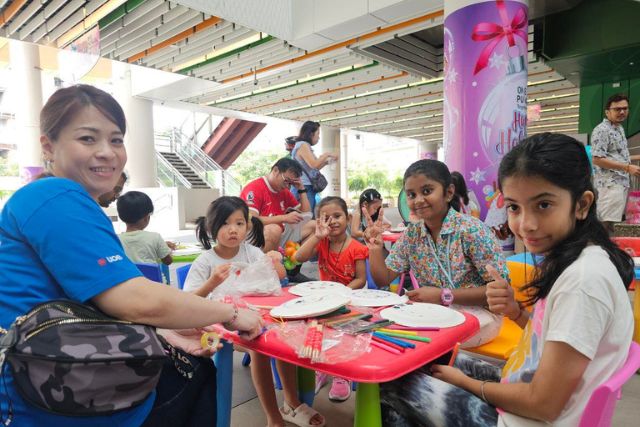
427	150
330	143
344	184
485	93
27	95
139	139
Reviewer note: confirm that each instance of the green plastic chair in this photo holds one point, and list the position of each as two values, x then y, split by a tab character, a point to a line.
403	207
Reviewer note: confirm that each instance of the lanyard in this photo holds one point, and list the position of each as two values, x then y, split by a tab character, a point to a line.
446	272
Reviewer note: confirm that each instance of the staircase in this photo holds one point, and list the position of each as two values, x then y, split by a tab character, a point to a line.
187	173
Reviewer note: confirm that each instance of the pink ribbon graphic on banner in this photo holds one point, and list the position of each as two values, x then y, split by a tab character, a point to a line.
495	32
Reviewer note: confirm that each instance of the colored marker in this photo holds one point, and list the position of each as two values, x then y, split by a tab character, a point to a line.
456	348
407	337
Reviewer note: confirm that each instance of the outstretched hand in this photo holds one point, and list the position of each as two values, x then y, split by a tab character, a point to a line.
500	296
188	340
322	227
374	230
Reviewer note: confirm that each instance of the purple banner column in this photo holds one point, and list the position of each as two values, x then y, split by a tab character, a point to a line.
485	95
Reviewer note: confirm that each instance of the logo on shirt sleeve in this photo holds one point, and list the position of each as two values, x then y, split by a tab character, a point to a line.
108	260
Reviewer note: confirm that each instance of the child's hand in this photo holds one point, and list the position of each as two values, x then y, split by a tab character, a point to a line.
220	274
293	217
373	232
322	227
275	256
429	294
450	375
171	245
500	296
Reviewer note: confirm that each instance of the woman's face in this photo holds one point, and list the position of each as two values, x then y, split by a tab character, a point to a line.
89	150
315	137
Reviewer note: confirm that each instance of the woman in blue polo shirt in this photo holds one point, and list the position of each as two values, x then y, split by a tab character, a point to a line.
56	242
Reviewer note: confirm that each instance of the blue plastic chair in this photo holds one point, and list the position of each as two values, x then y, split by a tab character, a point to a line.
181	274
371	284
150	271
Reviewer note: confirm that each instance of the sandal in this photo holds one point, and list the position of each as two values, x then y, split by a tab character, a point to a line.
300	416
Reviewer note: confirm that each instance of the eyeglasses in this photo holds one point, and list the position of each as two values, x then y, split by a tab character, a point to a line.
286	180
619	109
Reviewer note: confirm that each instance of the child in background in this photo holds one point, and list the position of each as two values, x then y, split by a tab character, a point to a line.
340	259
371	200
447	251
227	225
468	201
579	332
135	209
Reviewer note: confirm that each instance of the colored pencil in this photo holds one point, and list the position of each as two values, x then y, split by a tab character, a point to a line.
394	340
456	348
374	325
397	331
414	328
390	344
385	347
339	317
350	320
407	337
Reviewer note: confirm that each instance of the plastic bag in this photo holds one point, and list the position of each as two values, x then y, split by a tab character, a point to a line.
632	212
256	279
337	346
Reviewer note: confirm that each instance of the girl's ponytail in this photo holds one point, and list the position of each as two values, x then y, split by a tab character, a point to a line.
256	235
202	233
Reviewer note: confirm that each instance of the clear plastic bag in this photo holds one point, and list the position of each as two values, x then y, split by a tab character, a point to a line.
337	346
258	278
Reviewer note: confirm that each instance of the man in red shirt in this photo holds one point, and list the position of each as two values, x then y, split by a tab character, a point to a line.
269	198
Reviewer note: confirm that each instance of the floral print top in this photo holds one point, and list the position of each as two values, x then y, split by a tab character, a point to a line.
608	140
464	248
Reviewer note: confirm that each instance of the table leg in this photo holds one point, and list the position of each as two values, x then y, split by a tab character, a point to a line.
223	360
306	385
367	406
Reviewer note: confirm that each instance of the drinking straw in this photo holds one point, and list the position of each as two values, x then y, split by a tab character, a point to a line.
406	337
394	340
308	339
385	347
317	342
414	328
396	331
390	344
456	348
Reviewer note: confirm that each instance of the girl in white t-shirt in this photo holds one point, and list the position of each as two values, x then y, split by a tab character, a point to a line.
579	331
227	226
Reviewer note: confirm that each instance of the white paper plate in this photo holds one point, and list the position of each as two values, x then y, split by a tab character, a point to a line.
316	287
375	298
397	229
311	305
421	314
187	251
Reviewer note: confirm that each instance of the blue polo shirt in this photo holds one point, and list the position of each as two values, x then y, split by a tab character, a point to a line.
56	242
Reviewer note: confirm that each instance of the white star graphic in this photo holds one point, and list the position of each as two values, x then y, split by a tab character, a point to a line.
477	176
452	75
497	60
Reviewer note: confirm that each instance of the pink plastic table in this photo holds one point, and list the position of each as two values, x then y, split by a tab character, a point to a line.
389	236
369	369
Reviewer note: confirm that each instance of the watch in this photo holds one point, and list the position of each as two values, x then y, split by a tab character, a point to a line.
446	297
304	190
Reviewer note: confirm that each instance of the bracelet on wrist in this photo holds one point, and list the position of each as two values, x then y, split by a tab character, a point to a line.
304	190
229	324
482	391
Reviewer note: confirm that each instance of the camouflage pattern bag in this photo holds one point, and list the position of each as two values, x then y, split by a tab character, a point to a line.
71	359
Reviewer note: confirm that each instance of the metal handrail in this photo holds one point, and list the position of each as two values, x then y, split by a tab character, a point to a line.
167	174
203	165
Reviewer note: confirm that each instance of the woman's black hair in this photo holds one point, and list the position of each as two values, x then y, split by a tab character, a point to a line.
435	170
217	214
563	162
132	206
461	186
307	130
335	200
369	195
